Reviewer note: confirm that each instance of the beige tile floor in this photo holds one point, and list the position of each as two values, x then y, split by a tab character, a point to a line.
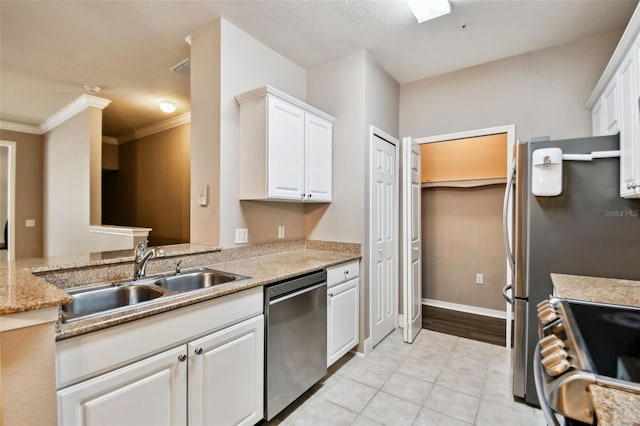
439	380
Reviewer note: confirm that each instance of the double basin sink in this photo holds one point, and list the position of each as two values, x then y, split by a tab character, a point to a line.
97	300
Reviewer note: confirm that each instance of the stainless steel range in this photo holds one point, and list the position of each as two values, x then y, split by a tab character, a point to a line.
582	344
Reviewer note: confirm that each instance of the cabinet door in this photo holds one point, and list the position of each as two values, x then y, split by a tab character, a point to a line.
610	105
597	117
343	316
226	375
318	143
628	125
149	392
285	153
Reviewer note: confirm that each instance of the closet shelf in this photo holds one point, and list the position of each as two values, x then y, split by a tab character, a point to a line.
464	183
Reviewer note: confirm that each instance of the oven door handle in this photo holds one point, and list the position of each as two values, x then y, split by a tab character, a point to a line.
537	376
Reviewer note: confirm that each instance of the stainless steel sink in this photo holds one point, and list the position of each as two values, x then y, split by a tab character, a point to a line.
195	280
90	301
98	300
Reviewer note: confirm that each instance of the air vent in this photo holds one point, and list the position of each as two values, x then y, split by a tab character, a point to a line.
183	67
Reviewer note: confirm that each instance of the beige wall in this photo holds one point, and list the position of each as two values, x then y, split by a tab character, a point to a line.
247	64
339	89
109	156
151	187
4	193
69	205
205	133
542	93
27	360
480	157
358	93
462	236
29	190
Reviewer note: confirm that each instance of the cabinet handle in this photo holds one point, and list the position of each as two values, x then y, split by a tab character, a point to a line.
310	195
632	185
182	357
303	195
198	351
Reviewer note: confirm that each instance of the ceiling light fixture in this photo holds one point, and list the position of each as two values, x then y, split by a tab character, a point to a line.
424	10
92	89
167	106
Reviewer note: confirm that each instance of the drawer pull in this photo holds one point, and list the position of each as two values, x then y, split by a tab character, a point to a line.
198	351
182	357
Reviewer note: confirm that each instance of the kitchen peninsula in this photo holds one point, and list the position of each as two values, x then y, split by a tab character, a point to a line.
31	292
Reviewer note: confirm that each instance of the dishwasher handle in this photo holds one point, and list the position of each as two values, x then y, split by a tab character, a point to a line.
297	293
284	288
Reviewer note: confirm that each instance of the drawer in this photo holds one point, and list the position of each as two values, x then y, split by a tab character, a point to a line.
340	273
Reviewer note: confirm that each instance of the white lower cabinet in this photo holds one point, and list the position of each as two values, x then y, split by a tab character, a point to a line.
226	371
124	375
147	392
342	319
343	310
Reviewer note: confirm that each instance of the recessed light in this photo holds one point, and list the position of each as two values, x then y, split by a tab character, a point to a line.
167	106
92	89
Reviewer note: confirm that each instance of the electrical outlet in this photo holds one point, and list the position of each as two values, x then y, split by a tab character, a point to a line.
242	235
281	231
30	223
479	279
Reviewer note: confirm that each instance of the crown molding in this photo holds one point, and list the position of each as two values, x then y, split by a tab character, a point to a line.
161	126
80	104
21	128
110	140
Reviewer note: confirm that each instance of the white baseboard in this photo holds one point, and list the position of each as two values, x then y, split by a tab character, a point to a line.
465	308
368	347
401	320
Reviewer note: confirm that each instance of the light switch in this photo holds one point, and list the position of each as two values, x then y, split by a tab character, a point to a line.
281	231
30	223
203	195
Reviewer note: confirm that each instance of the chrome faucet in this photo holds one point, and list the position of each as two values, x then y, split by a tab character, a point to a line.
141	258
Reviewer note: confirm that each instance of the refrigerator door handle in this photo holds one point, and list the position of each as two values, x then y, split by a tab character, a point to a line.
505	294
505	220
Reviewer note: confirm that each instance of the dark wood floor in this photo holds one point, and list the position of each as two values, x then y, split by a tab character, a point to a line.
462	324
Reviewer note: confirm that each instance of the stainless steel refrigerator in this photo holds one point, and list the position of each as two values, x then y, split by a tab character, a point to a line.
586	230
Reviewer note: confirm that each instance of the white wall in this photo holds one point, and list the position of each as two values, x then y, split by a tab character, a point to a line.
225	62
4	188
68	182
246	64
543	93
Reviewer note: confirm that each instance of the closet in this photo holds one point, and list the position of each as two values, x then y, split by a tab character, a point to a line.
463	259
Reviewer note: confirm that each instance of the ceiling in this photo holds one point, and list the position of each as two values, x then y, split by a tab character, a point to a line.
50	49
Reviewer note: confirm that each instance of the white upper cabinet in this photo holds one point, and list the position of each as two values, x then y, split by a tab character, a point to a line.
629	127
615	105
285	148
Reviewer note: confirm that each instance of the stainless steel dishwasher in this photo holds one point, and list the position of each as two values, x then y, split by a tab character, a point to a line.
296	338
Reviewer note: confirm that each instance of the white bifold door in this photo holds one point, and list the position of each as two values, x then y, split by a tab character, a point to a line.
411	250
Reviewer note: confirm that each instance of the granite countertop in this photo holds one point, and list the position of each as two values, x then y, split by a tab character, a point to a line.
22	291
262	270
613	407
33	284
595	289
